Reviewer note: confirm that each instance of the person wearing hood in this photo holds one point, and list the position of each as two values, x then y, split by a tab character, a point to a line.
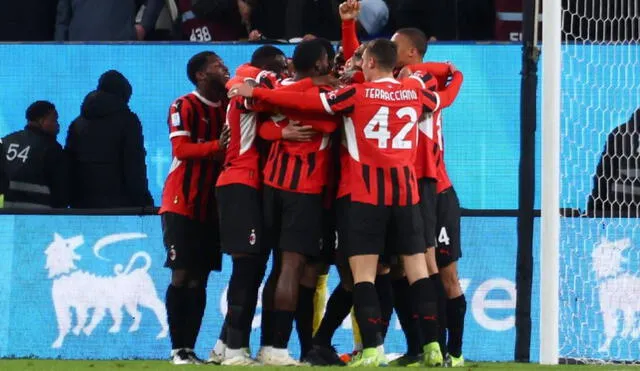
616	182
106	149
33	166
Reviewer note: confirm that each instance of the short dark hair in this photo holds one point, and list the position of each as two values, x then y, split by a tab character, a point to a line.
417	38
38	110
306	54
331	52
264	55
385	52
198	63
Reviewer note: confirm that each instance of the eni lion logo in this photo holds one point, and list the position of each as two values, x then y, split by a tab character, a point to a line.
78	290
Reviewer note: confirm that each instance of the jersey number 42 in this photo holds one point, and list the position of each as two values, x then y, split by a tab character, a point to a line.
378	128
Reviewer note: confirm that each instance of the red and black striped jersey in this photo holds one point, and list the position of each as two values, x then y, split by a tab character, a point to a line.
242	160
380	128
433	122
301	167
194	129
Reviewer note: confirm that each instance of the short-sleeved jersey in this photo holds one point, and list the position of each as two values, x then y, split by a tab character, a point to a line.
188	189
443	182
301	167
380	124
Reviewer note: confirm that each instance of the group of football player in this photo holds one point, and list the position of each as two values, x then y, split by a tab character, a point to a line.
316	163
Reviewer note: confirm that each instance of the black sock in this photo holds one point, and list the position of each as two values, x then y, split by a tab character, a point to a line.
252	299
238	309
338	307
385	298
176	315
282	325
441	297
425	309
404	310
197	299
368	316
456	309
304	318
223	331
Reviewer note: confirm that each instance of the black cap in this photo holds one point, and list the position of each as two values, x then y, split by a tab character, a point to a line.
115	83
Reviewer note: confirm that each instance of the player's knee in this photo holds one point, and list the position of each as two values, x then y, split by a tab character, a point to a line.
450	281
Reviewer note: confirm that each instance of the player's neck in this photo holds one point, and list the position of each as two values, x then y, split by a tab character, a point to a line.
213	96
377	75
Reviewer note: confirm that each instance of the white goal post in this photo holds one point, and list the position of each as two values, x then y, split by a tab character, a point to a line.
550	182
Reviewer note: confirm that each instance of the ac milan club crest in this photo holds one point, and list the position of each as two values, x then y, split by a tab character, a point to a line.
252	237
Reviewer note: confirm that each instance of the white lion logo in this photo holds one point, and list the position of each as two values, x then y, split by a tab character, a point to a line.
73	288
617	290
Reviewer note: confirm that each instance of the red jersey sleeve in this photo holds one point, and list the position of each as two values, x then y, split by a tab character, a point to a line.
270	130
340	101
182	146
349	39
430	100
290	99
449	94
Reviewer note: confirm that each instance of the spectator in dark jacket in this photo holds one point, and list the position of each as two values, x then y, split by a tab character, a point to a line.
33	166
106	149
616	183
105	20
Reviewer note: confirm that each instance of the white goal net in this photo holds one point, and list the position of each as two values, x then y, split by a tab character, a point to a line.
600	175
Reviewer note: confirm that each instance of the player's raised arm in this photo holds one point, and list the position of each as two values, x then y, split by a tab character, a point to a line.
348	13
449	94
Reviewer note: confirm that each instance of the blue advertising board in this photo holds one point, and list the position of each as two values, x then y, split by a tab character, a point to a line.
481	128
81	287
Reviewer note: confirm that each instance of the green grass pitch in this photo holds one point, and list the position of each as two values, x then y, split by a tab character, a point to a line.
62	365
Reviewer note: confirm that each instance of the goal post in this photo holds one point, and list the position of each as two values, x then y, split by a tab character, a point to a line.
550	182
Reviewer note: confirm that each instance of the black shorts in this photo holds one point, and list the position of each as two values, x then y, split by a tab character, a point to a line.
293	221
384	230
448	228
190	244
428	201
240	212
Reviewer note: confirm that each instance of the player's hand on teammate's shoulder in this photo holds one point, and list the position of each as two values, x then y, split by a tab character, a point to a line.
243	90
349	10
297	133
404	73
452	68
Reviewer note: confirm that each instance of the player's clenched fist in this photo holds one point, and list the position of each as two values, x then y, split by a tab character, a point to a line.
349	10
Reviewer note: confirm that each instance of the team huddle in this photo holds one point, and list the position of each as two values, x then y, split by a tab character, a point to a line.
316	164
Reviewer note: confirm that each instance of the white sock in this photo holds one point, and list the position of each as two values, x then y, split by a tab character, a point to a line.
380	349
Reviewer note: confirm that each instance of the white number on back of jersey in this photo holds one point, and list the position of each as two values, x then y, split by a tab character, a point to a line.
443	237
378	128
14	152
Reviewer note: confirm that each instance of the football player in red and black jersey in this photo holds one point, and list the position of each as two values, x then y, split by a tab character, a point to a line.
239	198
188	212
295	176
448	214
380	119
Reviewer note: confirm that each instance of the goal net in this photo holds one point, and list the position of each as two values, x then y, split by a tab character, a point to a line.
599	254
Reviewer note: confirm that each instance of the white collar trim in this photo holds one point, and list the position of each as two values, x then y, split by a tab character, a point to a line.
205	100
387	79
